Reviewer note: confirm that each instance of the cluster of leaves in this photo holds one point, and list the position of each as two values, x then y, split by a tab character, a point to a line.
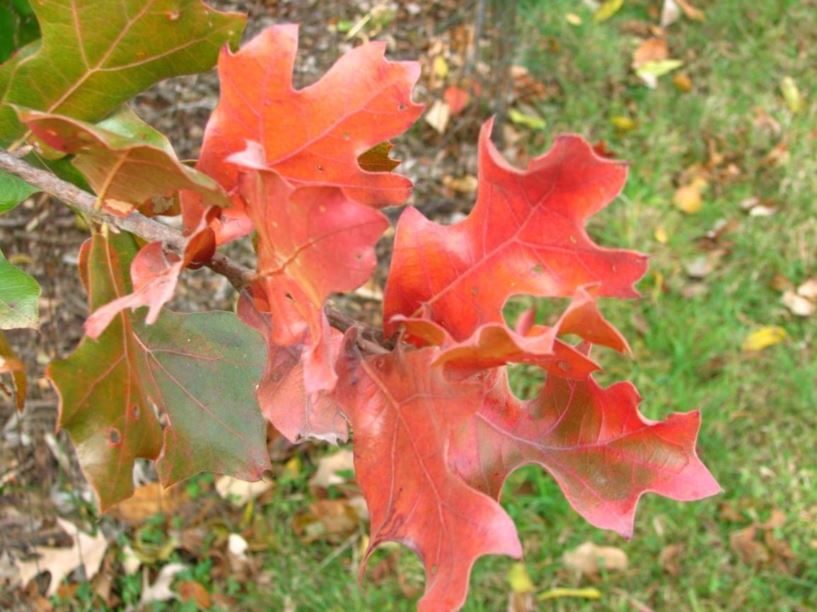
436	429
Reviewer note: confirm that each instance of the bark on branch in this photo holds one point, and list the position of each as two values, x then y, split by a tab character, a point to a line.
152	230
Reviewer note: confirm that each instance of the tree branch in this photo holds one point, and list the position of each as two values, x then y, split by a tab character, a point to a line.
152	230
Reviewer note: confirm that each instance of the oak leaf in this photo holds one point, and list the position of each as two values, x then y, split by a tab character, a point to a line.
312	241
310	136
495	344
525	235
603	454
94	56
124	160
402	411
198	369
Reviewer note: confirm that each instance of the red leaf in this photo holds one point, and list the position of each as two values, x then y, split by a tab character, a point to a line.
593	441
282	391
312	241
494	344
402	411
154	272
312	135
525	235
456	98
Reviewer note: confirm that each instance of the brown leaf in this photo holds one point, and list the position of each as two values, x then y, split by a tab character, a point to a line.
777	519
682	82
148	500
190	590
651	50
669	558
749	550
691	12
588	559
779	547
331	519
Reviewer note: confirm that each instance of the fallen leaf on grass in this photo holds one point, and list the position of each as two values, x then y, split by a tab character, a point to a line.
192	591
560	592
520	599
688	198
669	559
661	235
650	50
670	13
160	589
607	9
763	337
331	469
86	552
147	500
588	559
622	123
682	82
703	265
798	305
749	550
776	519
518	579
331	519
652	71
240	492
691	12
808	289
791	94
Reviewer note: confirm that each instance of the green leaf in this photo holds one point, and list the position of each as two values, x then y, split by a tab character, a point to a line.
13	190
127	162
205	367
199	370
95	55
19	297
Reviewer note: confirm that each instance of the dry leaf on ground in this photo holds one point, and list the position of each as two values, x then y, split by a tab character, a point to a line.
438	115
688	198
331	467
160	589
749	550
86	552
148	500
798	305
192	591
589	558
669	558
763	337
239	492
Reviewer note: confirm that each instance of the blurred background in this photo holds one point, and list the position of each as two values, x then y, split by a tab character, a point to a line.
714	105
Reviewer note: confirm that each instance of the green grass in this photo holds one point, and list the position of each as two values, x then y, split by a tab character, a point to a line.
759	410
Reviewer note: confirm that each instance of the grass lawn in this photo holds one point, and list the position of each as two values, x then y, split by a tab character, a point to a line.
759	409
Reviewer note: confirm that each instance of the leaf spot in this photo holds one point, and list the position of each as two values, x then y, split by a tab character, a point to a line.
114	437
